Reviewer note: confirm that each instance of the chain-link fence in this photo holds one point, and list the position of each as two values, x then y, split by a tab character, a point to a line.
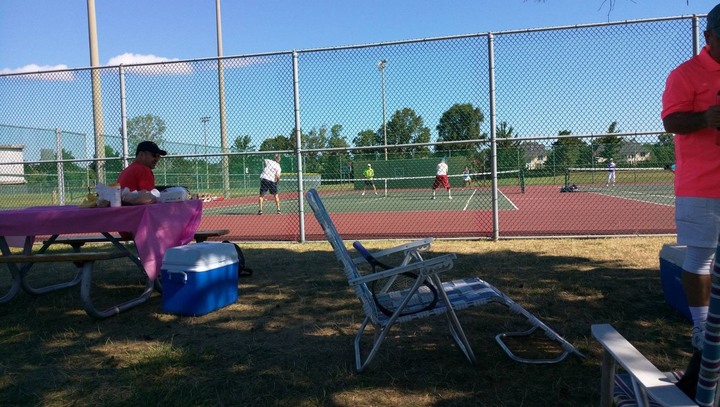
527	121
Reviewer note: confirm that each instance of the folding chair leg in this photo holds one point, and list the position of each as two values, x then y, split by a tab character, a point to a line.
455	328
379	337
567	347
459	335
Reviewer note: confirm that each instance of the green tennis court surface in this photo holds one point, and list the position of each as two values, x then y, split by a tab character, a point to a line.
651	185
394	201
661	194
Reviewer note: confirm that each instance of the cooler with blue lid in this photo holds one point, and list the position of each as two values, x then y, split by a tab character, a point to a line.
199	278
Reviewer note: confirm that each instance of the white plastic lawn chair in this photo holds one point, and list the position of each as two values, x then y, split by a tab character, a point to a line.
643	384
417	301
648	386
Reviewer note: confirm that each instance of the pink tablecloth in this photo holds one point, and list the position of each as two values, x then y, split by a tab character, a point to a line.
156	227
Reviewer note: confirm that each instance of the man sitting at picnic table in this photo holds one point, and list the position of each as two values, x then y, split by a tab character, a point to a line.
138	176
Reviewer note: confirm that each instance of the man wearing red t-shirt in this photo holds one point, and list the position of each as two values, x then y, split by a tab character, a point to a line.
691	110
138	176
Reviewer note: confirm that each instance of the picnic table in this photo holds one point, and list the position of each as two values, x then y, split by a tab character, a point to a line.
154	229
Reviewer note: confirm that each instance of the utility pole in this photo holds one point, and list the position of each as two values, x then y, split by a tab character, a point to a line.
205	120
381	68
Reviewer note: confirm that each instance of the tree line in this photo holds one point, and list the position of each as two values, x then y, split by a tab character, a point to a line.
406	136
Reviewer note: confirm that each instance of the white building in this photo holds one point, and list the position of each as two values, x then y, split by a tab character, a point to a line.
12	174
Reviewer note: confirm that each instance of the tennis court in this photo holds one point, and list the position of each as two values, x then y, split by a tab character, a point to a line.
636	205
386	201
656	194
653	185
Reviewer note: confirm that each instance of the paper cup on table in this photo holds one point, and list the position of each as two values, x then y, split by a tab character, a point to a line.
115	197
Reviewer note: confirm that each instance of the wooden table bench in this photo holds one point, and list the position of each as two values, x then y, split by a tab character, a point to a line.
79	241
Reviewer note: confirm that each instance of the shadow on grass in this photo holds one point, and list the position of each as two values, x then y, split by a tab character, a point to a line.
288	339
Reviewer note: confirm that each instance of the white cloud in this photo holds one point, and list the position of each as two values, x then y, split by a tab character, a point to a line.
44	72
150	64
134	63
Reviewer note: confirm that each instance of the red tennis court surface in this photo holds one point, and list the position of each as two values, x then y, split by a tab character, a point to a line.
541	211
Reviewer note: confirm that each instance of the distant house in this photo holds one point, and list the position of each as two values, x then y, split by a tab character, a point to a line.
12	174
535	155
631	152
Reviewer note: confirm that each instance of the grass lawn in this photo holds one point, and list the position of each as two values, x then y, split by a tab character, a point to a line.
288	340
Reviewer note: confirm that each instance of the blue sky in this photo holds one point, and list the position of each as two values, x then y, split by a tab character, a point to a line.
39	35
42	34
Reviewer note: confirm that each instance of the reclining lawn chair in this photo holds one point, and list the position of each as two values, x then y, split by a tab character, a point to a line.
643	384
426	296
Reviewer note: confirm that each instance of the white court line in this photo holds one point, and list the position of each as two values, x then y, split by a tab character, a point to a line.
603	193
505	196
370	198
508	199
468	200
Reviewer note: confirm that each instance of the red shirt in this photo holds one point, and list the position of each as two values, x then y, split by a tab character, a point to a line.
693	87
137	177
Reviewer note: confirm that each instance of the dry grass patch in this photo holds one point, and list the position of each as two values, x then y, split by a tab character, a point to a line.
288	339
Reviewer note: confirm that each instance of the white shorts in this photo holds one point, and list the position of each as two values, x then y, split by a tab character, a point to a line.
698	226
697	221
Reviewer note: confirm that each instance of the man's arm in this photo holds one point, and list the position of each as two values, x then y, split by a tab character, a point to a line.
690	122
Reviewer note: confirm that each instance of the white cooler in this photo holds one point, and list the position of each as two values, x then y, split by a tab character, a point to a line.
199	278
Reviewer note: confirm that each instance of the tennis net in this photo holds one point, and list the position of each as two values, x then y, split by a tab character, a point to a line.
633	175
391	185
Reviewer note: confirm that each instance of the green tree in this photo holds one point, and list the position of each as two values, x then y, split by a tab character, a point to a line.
45	174
662	153
406	127
508	151
366	138
242	143
146	127
609	146
278	142
334	162
237	164
568	150
460	122
112	167
313	140
327	163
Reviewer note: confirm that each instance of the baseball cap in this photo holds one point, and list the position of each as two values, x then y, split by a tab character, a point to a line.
150	147
369	165
713	20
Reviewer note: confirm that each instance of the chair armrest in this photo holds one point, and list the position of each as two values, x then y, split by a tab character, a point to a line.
655	382
423	268
414	245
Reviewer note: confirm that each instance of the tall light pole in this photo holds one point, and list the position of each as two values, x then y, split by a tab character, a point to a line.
221	95
205	120
96	92
381	68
